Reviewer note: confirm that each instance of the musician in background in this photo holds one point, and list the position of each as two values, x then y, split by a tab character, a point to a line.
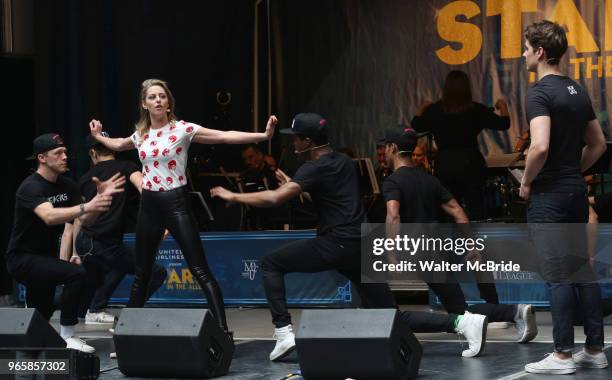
382	168
271	162
456	121
258	173
260	176
419	157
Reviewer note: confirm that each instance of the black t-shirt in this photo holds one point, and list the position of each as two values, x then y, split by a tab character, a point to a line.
30	234
570	110
420	194
332	183
110	226
456	136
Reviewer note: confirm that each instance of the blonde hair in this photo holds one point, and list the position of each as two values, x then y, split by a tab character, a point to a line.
144	123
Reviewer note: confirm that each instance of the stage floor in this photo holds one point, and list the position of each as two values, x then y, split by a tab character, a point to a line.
441	360
502	358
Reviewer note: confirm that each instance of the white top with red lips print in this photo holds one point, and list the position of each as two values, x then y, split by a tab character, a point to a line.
163	153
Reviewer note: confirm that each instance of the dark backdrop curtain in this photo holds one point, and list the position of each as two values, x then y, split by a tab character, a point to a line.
17	78
91	57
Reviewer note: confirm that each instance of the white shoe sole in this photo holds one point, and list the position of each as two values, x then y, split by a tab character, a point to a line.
499	325
98	323
87	351
284	354
565	371
482	343
592	365
531	327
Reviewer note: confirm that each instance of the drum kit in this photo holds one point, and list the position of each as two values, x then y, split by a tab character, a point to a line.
503	184
502	200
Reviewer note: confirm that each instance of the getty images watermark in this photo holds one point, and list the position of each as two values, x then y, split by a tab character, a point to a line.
451	253
428	246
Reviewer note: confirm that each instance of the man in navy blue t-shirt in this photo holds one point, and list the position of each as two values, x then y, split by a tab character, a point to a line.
561	121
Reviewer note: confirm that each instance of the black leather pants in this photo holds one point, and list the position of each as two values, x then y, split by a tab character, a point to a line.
172	210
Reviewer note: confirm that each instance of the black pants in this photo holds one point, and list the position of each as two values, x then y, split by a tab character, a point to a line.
453	301
467	191
329	253
172	210
107	264
41	275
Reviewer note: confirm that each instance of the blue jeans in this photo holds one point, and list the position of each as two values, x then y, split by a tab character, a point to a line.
564	264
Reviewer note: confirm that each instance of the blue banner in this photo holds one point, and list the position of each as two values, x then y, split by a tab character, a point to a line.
235	260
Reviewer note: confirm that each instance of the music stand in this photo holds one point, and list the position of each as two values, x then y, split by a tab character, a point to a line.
368	185
201	207
229	216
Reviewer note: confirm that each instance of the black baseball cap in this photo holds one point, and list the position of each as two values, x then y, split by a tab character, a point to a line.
405	138
45	143
91	141
306	124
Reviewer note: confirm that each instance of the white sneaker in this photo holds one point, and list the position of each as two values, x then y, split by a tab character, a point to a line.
113	355
77	344
585	360
499	325
474	328
285	343
99	318
552	365
526	325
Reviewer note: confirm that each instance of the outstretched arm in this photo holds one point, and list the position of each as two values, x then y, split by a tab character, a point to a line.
268	198
420	122
86	211
214	136
117	144
491	120
109	187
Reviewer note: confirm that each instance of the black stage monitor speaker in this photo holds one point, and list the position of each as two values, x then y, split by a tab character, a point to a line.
171	343
23	328
364	344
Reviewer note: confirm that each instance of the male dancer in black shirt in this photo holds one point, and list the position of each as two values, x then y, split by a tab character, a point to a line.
561	121
331	180
414	196
100	245
44	202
